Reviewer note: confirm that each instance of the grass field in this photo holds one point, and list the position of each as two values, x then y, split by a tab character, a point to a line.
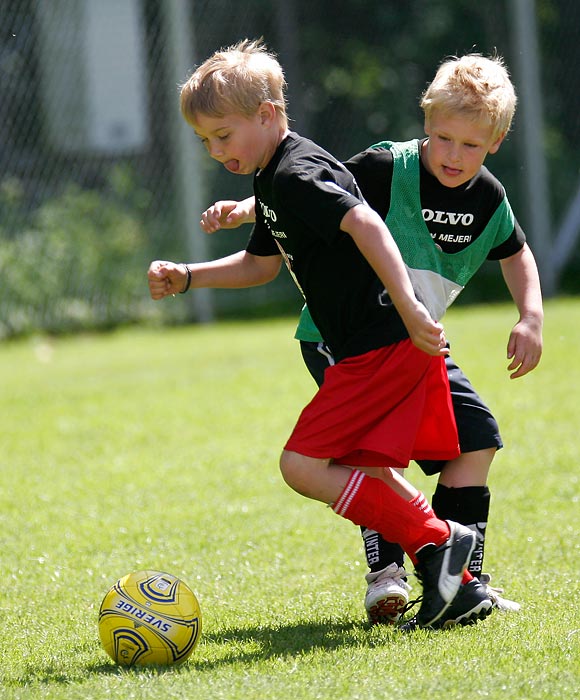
158	448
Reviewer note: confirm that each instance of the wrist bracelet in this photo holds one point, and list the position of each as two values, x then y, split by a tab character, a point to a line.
188	282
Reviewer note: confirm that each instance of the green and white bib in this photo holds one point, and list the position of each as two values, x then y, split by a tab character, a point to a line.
438	278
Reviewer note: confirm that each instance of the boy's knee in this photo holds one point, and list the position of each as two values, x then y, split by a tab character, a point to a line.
288	466
469	469
295	471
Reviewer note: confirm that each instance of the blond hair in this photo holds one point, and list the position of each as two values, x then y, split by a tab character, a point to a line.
235	80
475	86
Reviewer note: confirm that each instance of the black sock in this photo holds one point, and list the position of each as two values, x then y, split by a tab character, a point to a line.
379	552
468	506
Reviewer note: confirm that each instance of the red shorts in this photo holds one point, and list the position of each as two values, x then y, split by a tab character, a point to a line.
380	409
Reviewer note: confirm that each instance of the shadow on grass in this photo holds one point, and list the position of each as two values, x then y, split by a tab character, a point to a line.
217	649
256	644
51	675
253	644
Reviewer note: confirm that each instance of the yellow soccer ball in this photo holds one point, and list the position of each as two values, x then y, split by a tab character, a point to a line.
149	618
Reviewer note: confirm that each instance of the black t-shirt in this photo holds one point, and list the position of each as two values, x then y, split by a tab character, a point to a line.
302	195
455	216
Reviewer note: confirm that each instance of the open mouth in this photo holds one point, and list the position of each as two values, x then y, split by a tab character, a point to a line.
232	165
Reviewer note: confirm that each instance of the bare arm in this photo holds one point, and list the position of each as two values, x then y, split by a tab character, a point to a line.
375	242
242	269
525	342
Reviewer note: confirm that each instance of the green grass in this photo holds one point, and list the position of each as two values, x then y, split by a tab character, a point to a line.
158	448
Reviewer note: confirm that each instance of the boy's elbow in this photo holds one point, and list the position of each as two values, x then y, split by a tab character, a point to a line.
271	274
361	220
267	269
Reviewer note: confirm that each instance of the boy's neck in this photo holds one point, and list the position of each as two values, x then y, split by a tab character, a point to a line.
280	136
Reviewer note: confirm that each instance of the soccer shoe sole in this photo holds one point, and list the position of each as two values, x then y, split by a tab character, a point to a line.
471	604
387	610
470	618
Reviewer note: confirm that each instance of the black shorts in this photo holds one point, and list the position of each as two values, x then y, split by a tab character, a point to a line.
476	426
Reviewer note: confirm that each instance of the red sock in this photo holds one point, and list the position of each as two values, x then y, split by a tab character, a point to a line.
423	504
370	502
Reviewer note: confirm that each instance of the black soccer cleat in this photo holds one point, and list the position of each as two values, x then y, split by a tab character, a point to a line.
440	570
470	605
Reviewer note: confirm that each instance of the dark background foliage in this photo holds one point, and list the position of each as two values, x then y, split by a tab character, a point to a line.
355	71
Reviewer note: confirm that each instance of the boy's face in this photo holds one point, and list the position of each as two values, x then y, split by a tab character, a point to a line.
456	147
241	144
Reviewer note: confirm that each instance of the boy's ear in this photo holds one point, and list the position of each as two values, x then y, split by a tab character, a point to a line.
494	148
267	113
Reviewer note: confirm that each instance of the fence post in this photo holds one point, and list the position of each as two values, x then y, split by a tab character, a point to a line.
187	155
534	158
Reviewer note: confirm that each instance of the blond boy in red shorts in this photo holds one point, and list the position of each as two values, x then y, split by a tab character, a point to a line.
386	400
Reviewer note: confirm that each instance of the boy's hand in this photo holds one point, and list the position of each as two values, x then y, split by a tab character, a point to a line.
166	278
524	347
227	214
426	334
375	242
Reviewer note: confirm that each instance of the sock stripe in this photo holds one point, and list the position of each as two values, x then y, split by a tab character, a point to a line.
421	503
349	492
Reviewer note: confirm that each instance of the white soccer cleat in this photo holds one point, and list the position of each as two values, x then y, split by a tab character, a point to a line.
387	594
499	603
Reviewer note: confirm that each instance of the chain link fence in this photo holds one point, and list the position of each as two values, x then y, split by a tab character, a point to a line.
99	174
